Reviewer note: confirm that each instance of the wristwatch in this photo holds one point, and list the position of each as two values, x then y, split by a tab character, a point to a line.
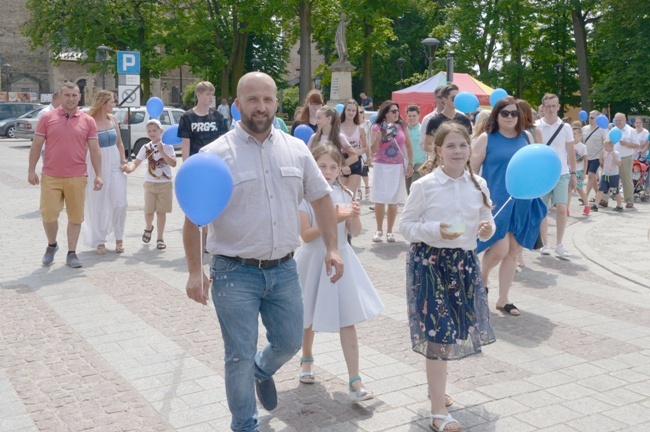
572	173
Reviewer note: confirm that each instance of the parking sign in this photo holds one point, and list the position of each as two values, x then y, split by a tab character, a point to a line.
128	62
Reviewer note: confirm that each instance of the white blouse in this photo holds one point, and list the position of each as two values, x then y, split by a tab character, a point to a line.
437	198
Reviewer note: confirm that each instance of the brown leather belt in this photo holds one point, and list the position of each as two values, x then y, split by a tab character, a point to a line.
262	264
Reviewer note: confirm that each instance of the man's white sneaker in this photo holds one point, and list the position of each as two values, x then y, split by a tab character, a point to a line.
561	252
545	250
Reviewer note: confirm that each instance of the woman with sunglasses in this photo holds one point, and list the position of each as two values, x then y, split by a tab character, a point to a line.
518	223
390	146
307	116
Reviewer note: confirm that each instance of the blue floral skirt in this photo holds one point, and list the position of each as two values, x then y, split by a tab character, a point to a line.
447	303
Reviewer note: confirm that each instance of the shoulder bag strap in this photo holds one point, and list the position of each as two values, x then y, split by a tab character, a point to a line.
592	132
555	134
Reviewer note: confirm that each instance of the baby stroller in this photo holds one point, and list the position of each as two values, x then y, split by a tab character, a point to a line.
640	179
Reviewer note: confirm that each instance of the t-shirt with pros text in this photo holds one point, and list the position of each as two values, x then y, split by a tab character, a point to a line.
201	130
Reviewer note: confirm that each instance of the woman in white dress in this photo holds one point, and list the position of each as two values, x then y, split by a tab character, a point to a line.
105	210
334	307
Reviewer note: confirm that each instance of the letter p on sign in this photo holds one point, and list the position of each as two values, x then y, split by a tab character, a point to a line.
128	62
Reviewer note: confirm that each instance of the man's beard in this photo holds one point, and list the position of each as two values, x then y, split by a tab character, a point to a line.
256	127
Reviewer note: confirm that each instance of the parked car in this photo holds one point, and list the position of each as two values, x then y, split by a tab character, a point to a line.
8	125
138	121
10	112
25	125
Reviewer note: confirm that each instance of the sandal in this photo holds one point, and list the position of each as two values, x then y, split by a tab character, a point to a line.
449	401
509	309
307	377
446	420
377	237
160	244
101	249
146	236
119	246
390	238
361	394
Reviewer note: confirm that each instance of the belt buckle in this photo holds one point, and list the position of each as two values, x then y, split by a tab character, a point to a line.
259	264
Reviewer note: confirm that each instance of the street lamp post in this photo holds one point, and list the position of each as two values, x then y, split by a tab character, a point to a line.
450	67
400	65
430	46
6	66
101	56
559	71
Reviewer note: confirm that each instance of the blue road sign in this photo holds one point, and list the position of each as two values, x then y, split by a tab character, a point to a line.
128	62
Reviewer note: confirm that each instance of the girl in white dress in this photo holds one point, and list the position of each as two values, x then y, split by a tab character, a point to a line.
334	307
105	210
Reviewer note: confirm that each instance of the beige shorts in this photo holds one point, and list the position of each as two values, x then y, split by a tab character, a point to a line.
57	190
158	197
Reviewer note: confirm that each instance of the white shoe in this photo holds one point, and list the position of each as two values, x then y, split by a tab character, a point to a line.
377	237
561	252
545	250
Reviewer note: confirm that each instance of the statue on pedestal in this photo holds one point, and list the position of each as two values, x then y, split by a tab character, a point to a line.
339	40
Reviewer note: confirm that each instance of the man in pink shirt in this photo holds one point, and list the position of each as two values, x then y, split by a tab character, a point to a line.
70	134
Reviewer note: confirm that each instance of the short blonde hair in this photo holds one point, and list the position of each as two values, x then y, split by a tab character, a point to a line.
203	87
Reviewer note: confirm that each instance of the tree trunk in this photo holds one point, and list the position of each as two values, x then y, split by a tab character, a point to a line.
584	73
304	12
366	68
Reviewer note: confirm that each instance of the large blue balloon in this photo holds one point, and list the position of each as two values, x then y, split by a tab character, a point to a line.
339	108
155	107
466	102
303	132
584	115
602	121
533	171
497	95
170	136
203	187
234	112
615	135
373	118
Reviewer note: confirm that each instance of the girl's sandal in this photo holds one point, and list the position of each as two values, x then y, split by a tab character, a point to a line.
307	377
119	246
146	236
359	395
160	244
446	419
101	249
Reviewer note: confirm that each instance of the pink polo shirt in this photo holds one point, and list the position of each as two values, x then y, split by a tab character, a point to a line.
67	137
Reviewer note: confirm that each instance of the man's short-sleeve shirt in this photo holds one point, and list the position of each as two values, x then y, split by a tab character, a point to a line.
201	130
439	119
270	180
67	137
594	139
560	142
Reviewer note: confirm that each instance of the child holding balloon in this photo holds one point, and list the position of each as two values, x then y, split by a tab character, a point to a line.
447	304
158	186
334	307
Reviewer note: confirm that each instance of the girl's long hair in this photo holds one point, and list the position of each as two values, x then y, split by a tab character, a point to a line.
99	101
383	110
314	96
335	132
327	148
441	133
355	120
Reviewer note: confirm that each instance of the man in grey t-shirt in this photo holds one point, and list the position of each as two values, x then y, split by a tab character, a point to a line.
593	137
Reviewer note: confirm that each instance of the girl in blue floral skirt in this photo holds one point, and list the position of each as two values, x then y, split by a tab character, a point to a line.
447	303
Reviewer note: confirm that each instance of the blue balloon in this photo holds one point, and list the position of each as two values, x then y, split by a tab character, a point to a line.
234	112
584	115
339	108
303	132
155	107
602	121
497	95
466	102
373	118
170	136
533	171
615	135
203	187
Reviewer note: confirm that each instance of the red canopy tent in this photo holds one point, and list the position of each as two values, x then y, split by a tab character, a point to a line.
421	94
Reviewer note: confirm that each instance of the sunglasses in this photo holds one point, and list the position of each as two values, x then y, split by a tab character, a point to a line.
394	111
506	113
593	118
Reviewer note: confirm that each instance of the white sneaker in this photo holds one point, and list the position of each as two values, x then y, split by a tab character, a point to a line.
545	250
561	252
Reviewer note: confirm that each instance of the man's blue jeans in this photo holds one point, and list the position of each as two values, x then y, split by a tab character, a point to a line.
240	294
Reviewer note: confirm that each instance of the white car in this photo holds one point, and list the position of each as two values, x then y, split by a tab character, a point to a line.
138	121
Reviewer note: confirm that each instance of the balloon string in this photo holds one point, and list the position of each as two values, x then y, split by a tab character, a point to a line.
502	207
201	255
